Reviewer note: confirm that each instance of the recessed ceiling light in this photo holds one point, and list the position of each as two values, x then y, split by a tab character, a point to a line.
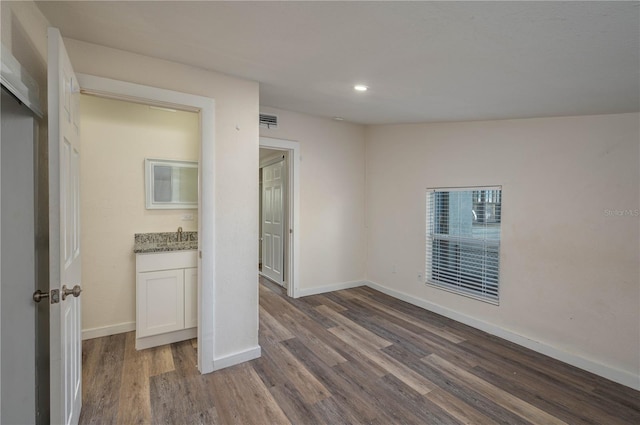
360	87
338	118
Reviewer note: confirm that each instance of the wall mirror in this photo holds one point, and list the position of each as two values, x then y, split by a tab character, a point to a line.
171	184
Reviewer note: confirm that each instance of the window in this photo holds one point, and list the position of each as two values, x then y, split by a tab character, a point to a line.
463	240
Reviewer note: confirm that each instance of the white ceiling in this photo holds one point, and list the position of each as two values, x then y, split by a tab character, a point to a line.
423	61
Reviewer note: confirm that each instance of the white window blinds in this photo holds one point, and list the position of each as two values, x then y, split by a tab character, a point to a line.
463	240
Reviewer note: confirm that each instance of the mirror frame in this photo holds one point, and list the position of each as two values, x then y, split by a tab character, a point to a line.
151	204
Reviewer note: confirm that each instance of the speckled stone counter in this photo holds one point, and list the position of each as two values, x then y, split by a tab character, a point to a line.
164	242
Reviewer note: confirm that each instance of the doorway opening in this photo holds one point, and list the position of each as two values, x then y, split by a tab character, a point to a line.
119	140
279	206
203	106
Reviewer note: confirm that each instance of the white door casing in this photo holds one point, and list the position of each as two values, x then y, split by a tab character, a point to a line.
206	192
292	242
273	222
64	234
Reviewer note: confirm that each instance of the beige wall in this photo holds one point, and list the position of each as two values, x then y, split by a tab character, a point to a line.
24	34
332	234
116	138
569	275
236	148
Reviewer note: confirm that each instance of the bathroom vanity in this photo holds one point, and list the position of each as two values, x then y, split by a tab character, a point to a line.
166	288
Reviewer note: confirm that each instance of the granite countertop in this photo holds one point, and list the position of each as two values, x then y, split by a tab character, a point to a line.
164	242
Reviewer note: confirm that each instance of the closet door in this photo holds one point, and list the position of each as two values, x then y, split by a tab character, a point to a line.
17	269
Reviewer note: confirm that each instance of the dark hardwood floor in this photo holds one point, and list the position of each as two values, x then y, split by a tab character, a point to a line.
350	357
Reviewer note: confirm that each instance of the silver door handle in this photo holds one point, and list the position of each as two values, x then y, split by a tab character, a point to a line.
75	291
39	295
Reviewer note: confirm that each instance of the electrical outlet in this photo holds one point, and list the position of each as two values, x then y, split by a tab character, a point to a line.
187	217
393	268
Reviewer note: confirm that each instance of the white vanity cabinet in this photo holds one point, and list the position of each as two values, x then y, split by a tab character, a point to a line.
166	297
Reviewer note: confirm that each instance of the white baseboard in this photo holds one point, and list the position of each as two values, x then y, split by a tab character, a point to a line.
108	330
330	288
237	358
620	376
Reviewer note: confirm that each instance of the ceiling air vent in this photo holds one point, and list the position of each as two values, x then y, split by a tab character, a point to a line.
268	121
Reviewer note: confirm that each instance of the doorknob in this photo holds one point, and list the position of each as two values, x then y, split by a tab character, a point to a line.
75	291
39	295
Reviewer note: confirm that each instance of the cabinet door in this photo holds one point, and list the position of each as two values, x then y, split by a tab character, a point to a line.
160	300
190	298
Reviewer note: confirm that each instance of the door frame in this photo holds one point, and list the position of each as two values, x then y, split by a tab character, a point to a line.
292	247
205	107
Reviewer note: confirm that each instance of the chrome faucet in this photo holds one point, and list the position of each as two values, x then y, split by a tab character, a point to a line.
180	234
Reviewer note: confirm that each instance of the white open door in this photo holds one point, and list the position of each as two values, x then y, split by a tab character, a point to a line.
273	222
64	235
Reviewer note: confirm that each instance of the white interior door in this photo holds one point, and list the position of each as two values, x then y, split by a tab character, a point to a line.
64	235
273	222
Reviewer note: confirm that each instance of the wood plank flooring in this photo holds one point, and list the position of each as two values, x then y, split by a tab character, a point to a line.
349	357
